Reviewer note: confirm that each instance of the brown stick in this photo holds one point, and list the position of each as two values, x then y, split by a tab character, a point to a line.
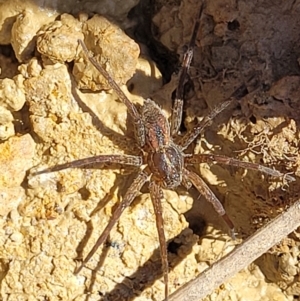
253	247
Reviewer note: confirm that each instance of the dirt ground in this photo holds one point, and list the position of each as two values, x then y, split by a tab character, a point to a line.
55	108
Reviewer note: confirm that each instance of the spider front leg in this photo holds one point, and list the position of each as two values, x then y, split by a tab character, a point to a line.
190	136
113	159
156	194
208	158
130	195
202	187
187	58
139	129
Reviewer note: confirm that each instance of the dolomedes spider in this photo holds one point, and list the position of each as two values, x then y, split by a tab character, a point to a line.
162	163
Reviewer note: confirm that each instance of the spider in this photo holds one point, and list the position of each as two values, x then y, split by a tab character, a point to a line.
162	162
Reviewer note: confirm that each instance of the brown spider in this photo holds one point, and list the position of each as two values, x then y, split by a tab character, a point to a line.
162	163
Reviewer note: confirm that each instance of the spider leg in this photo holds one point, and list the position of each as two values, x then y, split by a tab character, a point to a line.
190	136
156	194
210	197
138	123
187	58
118	159
209	158
130	195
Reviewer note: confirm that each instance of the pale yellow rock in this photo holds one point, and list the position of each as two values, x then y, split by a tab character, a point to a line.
7	130
16	11
112	48
12	94
10	198
6	126
59	40
46	11
15	159
146	80
249	284
25	28
5	116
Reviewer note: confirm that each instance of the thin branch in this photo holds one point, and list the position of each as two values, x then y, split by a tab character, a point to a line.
252	248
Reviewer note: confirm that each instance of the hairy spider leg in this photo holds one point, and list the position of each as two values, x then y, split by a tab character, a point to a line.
219	159
130	195
187	59
112	159
210	197
191	135
156	195
135	115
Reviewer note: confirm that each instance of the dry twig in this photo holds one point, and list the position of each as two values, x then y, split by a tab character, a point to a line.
253	247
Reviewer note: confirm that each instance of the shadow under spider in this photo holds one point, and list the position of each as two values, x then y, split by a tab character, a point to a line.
132	286
121	141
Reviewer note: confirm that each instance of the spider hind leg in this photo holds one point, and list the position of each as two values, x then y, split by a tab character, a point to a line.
203	188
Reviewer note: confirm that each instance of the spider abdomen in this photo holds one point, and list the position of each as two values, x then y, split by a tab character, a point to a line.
166	166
